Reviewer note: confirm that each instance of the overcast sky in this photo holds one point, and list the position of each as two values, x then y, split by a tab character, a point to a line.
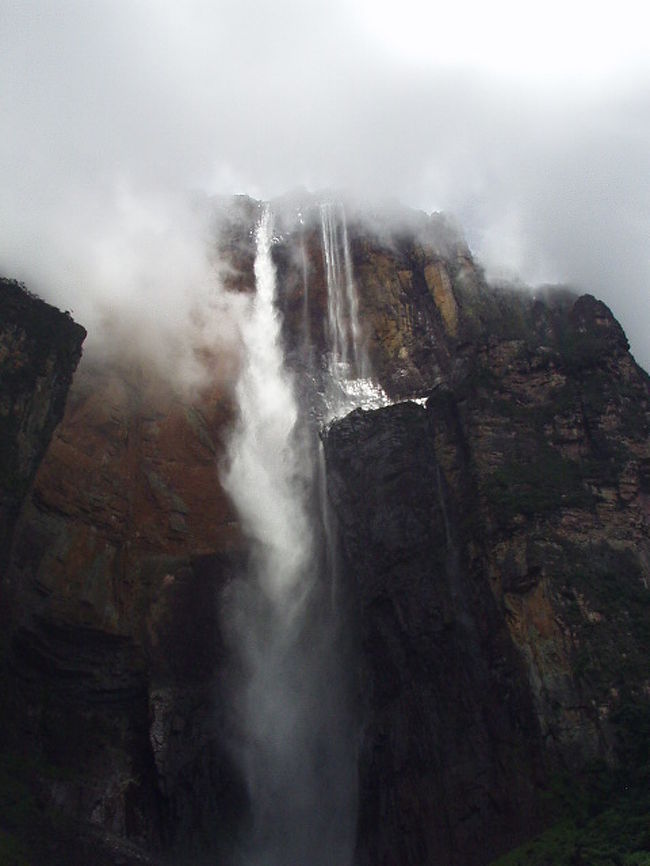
531	123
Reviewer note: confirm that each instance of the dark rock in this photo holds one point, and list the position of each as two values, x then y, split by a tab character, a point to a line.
39	351
450	747
498	546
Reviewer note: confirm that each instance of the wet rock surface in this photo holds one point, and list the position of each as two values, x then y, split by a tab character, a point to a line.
450	745
497	541
494	553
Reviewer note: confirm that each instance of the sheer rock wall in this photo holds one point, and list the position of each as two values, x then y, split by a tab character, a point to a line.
495	551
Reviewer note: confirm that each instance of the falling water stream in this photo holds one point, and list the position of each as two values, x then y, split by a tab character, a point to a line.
295	735
350	384
266	477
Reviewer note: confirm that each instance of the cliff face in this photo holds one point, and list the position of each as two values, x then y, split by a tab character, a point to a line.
498	539
39	351
116	561
450	751
494	548
412	321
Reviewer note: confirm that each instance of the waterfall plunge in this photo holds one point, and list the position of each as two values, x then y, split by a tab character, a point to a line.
349	384
265	479
295	737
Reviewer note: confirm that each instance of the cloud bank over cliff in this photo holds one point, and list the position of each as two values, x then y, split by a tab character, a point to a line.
534	130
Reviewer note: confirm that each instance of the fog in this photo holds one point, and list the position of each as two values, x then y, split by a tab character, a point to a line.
533	130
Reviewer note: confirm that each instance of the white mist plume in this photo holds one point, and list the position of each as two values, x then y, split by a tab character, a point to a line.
140	273
294	738
266	477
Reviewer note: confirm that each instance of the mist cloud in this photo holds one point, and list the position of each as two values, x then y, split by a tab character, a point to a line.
114	109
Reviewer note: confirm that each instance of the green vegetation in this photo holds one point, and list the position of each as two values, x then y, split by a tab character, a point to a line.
535	479
602	816
605	814
606	822
613	646
12	852
538	485
18	811
481	384
617	837
504	312
578	350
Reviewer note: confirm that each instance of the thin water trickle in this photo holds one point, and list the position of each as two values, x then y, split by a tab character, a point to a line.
350	384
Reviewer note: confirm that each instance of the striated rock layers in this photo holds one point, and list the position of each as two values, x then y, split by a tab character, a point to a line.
494	562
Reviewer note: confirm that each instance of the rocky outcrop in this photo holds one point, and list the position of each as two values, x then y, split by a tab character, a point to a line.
450	744
498	544
39	351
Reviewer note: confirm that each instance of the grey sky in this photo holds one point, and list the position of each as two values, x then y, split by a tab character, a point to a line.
534	131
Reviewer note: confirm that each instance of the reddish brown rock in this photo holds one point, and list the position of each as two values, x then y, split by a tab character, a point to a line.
124	508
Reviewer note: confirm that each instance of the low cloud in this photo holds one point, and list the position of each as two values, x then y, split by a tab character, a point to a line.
114	112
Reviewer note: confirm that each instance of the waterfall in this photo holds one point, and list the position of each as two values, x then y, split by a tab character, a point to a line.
293	735
307	343
265	479
350	384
